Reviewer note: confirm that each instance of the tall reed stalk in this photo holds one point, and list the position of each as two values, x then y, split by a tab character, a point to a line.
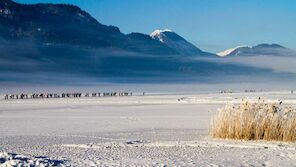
255	121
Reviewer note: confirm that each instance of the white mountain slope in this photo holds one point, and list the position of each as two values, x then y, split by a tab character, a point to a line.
176	42
229	51
159	34
259	50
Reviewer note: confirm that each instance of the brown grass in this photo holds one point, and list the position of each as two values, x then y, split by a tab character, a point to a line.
255	121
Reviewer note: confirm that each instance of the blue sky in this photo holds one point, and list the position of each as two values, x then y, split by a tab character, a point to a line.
212	25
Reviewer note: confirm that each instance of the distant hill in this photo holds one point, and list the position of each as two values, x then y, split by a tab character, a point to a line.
261	49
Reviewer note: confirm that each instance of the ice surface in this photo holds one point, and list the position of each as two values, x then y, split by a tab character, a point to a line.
152	130
12	160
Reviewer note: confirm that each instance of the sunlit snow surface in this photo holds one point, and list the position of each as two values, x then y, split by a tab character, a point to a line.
154	130
229	51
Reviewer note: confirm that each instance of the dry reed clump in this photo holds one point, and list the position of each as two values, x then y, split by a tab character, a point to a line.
255	121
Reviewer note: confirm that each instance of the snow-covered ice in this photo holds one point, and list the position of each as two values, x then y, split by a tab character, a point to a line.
12	160
152	130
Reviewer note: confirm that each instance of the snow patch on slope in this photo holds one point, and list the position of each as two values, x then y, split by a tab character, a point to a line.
229	51
159	32
176	42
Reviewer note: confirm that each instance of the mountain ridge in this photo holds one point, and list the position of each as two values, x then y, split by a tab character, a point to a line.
178	43
42	42
66	24
258	50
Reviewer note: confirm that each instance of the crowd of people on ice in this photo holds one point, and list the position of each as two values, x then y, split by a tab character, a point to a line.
246	91
63	95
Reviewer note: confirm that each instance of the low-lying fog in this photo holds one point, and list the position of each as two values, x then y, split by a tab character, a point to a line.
138	89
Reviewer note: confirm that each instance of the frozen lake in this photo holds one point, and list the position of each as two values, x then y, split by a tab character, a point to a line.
152	130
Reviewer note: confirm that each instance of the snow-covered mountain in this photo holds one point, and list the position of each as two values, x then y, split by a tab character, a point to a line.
231	51
261	49
176	42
